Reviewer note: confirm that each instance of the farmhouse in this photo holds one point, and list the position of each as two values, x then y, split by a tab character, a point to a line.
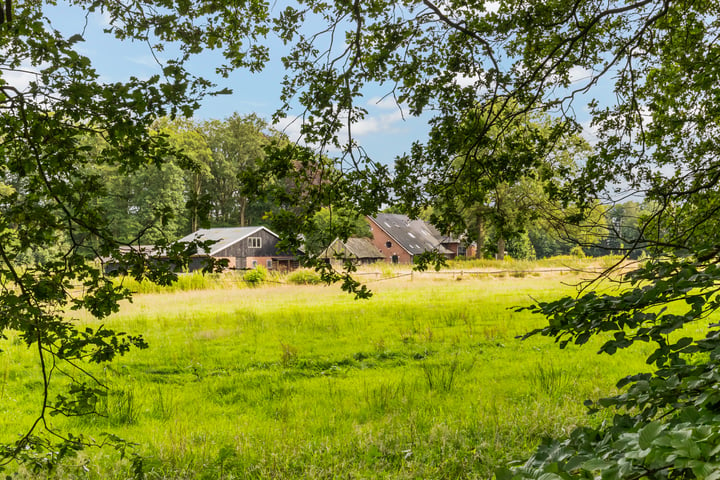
242	247
111	264
360	251
399	239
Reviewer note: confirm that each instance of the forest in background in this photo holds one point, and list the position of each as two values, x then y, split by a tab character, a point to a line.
209	184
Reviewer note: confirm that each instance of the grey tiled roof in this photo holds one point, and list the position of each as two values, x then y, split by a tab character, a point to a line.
415	236
223	236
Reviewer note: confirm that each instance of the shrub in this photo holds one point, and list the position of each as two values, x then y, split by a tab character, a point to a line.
256	276
304	277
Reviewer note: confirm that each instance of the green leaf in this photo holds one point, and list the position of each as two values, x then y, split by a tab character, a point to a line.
550	476
596	464
75	39
648	434
682	343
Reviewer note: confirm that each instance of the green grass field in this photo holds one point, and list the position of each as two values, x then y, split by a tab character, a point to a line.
424	380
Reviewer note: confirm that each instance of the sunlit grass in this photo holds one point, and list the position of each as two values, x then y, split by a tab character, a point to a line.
425	380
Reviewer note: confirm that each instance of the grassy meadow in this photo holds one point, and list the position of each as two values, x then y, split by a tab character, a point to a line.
424	380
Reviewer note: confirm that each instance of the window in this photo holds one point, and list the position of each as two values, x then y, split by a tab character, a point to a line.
395	259
269	264
388	244
410	235
254	264
254	242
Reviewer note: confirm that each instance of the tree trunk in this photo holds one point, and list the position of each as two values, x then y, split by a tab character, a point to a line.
481	236
243	206
196	189
501	248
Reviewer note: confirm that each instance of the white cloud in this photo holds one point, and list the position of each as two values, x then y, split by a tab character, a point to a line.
145	60
590	132
383	103
384	123
384	117
465	81
103	19
290	126
20	77
579	73
492	7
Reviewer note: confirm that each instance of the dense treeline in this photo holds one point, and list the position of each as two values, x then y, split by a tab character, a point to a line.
208	183
197	184
217	176
615	229
200	189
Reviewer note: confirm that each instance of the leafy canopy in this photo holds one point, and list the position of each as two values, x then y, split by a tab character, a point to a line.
63	128
645	73
644	70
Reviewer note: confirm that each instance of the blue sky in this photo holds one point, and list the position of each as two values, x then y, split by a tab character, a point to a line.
385	134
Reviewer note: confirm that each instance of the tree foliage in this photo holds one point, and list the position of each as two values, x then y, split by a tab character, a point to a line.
329	225
477	198
644	70
645	73
237	143
53	106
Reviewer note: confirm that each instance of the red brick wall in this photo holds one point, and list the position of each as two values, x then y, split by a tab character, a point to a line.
380	239
261	261
248	262
453	247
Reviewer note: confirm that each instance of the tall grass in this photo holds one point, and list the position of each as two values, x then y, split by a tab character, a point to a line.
560	261
203	281
185	282
367	273
425	380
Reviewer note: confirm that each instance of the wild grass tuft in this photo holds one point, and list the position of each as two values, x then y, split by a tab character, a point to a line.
550	379
120	407
289	354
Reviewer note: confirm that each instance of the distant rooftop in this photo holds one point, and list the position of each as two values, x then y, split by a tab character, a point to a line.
354	247
415	236
224	237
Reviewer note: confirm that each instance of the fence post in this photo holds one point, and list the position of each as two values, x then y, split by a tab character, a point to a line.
411	275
